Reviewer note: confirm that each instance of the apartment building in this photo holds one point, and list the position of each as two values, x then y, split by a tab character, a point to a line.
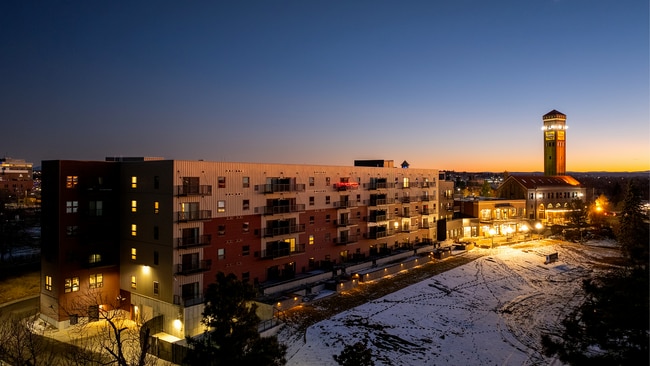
168	226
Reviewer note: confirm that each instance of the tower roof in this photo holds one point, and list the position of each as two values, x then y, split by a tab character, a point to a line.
554	114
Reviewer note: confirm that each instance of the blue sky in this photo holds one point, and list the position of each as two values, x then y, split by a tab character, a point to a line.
454	84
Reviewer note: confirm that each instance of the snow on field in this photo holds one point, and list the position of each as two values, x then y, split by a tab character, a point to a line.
489	312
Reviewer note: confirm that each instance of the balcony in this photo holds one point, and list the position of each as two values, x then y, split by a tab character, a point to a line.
345	186
346	239
192	190
279	187
280	252
406	199
187	301
379	217
373	186
408	228
426	198
381	234
196	267
428	211
286	230
193	242
346	204
408	213
380	201
275	210
185	216
346	222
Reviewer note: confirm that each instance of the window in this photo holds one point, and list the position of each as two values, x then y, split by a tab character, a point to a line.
134	182
48	283
327	181
221	206
94	258
71	181
311	240
156	182
245	182
71	206
311	200
156	232
246	205
134	205
134	284
246	276
245	250
327	200
134	230
311	181
71	230
327	237
95	208
133	253
156	207
245	227
221	182
96	280
327	218
311	220
71	285
406	183
221	230
156	257
221	253
156	288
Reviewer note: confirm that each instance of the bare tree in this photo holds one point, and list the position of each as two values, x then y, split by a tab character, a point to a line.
22	343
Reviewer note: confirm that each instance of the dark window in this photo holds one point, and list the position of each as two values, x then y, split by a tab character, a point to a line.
155	257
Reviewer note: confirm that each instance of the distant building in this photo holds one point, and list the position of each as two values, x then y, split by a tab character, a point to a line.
153	233
17	181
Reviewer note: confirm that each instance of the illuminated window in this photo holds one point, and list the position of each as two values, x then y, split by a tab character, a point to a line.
221	253
134	182
133	253
221	182
246	182
311	240
96	280
71	206
134	206
133	282
405	182
71	284
94	258
221	206
134	229
156	207
48	283
71	181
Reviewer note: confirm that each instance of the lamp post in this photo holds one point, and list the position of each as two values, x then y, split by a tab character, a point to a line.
492	232
524	229
538	227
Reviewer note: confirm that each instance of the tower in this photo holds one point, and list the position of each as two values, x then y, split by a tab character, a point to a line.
554	131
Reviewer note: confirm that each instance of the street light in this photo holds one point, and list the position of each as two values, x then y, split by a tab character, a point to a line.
492	232
524	229
538	227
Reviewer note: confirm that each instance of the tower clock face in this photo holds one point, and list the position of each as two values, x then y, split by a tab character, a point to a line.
550	135
560	135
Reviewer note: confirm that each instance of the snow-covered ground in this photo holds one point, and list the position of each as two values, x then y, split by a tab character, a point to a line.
489	312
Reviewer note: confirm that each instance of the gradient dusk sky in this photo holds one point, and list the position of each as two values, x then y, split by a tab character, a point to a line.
448	84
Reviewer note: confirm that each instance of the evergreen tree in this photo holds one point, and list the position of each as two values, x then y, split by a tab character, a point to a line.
232	335
357	354
633	233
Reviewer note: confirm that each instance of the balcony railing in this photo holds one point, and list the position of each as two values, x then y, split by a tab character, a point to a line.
428	211
184	216
275	231
381	234
346	222
200	190
380	217
380	201
190	268
378	185
275	210
408	228
275	188
345	204
346	239
406	199
426	198
187	301
193	242
409	213
281	252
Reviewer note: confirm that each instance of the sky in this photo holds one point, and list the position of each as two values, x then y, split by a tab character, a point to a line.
447	84
491	311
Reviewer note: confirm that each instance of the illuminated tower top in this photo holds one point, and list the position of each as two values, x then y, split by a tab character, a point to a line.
554	131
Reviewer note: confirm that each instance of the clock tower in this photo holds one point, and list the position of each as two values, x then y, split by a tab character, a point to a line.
554	131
